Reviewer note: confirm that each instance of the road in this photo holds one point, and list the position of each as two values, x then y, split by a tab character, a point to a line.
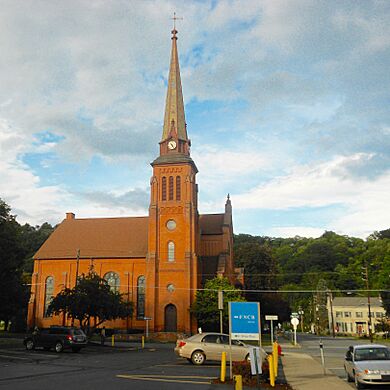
155	367
334	351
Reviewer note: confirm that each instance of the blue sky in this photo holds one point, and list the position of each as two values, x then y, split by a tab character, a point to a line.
287	106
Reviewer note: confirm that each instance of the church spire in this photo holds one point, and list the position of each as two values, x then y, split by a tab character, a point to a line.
174	119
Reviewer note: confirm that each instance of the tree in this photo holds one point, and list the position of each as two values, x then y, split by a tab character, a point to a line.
205	307
31	238
13	293
90	299
382	234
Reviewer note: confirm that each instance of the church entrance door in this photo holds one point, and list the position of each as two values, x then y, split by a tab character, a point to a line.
170	318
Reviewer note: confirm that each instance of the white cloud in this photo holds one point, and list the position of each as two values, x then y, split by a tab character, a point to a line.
365	201
20	188
292	231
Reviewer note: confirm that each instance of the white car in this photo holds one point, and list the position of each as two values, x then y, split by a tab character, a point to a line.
368	364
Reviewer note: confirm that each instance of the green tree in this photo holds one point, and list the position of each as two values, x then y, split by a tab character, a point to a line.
205	307
31	238
91	302
13	293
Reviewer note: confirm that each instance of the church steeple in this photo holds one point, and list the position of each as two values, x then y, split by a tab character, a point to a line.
174	136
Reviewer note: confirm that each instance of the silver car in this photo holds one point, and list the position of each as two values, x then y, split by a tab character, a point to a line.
209	346
368	364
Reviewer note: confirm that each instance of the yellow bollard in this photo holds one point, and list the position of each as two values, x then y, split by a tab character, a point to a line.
271	370
275	355
223	366
143	342
112	340
237	382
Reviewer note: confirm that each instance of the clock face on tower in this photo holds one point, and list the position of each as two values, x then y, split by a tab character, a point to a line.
172	145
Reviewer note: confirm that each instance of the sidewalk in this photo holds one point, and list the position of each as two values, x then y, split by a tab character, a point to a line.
302	372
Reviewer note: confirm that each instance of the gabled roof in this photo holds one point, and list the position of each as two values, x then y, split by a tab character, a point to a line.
211	223
97	238
356	301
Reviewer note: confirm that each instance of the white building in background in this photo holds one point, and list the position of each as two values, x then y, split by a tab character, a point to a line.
350	314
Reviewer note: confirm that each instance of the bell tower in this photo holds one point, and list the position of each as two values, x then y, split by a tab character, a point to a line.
172	261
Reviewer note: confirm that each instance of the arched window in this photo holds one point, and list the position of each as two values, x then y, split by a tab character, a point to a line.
113	281
178	187
171	251
164	188
170	187
49	293
141	297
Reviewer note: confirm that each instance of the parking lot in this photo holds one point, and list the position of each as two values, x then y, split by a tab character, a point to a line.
154	367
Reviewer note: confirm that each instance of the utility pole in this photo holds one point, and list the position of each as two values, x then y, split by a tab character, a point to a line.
331	311
77	265
77	274
365	278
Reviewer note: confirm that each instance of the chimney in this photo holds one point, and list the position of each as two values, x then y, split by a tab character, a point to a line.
70	216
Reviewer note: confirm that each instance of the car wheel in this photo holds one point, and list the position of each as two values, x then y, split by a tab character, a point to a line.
59	347
30	345
358	384
76	349
198	358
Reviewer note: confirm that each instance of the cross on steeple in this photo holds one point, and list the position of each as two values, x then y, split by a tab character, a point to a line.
174	31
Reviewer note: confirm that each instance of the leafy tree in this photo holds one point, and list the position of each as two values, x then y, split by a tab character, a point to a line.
31	238
90	302
14	295
205	307
382	234
382	326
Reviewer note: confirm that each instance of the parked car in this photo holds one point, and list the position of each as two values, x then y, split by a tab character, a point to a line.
209	346
57	337
368	364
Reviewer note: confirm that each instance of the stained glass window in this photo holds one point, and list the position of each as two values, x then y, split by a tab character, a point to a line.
49	293
141	297
113	281
171	251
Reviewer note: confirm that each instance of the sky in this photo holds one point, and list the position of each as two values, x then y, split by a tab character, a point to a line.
287	107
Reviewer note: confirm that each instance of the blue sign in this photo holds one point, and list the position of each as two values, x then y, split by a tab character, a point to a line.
244	320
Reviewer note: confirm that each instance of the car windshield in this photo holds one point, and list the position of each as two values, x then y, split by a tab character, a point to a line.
372	354
78	332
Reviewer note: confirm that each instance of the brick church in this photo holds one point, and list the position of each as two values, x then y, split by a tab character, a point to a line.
157	261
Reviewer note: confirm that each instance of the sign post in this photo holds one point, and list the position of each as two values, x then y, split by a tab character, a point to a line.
295	322
272	319
147	319
244	324
220	308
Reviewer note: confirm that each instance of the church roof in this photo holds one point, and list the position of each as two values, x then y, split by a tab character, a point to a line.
109	237
97	238
211	223
174	118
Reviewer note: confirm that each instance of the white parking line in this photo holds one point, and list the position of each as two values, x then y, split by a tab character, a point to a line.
14	357
161	379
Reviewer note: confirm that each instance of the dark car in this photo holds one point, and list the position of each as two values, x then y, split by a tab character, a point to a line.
58	337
